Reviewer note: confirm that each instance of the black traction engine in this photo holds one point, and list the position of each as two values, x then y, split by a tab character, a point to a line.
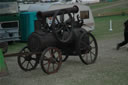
54	42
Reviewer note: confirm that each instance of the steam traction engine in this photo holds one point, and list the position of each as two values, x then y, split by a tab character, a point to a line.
51	44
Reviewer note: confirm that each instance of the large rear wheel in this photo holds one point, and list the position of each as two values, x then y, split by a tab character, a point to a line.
89	53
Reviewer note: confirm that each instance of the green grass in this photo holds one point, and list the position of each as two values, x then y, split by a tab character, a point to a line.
15	47
103	4
102	26
114	9
99	5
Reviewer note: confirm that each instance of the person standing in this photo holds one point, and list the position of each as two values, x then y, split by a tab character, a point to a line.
125	36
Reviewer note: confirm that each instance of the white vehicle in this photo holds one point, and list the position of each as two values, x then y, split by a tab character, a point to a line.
84	13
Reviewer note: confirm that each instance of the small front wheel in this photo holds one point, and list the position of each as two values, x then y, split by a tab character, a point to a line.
27	62
51	60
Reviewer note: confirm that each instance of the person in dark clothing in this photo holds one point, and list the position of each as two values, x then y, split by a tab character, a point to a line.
125	36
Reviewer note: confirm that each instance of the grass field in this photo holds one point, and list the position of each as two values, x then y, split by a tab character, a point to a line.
15	47
111	10
109	7
98	5
103	25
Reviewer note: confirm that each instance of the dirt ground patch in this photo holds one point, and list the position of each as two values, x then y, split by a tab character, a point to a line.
109	69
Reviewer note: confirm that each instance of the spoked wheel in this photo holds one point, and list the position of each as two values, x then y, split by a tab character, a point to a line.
27	62
89	48
51	60
62	27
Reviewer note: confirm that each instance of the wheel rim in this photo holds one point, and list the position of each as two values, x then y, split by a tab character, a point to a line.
51	60
27	62
89	56
62	28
